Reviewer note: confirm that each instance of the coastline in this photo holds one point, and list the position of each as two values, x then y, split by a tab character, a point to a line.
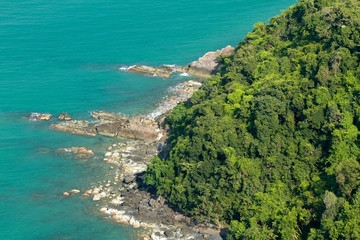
124	198
127	200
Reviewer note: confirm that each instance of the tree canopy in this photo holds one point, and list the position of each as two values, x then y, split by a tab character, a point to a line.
270	146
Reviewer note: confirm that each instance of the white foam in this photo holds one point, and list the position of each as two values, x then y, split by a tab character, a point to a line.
127	68
184	74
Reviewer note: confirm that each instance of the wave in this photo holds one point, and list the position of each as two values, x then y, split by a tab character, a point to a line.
125	68
184	74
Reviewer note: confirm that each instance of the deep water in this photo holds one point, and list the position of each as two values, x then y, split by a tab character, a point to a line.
60	56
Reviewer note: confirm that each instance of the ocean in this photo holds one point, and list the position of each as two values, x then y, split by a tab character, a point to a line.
60	56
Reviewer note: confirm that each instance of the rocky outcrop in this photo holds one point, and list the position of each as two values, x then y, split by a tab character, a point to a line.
124	197
208	64
64	116
147	127
162	71
130	202
39	116
203	68
113	125
78	127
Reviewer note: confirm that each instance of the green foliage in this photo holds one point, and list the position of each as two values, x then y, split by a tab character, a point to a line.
270	147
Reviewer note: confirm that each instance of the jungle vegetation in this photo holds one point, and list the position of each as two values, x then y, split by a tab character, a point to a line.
270	147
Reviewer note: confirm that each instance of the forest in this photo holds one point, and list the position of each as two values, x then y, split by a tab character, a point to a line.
270	146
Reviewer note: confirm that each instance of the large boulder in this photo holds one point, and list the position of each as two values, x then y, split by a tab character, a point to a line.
208	64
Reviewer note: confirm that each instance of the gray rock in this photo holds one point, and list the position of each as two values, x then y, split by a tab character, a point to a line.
153	203
142	209
168	233
133	186
215	237
113	125
156	235
208	64
76	127
129	178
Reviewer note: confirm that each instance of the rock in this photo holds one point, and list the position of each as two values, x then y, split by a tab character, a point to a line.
74	191
200	238
215	237
168	233
156	236
85	195
89	191
77	152
113	125
134	185
208	64
40	116
142	209
116	125
76	127
162	200
162	71
65	194
96	197
183	69
64	116
152	203
134	223
129	178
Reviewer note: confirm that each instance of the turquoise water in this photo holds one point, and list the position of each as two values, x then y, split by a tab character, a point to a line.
60	56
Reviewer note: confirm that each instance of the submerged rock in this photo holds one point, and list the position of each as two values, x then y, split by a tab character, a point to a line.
162	71
64	116
40	116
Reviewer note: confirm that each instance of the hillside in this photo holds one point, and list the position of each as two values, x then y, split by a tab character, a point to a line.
270	146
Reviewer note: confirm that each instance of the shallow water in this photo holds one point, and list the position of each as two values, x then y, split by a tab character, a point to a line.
60	56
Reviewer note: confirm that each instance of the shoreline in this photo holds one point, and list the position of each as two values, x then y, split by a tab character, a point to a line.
125	198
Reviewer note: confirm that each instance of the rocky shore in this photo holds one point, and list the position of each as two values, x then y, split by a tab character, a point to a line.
133	204
124	198
203	68
113	125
